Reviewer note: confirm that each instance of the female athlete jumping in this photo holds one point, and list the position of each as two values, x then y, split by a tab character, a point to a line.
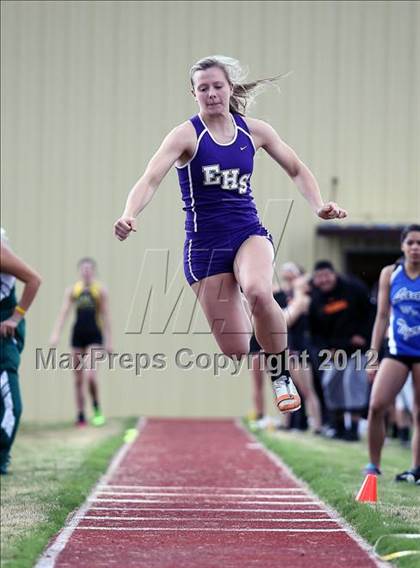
226	248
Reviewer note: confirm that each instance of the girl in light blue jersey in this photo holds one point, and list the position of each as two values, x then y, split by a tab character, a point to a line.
399	309
226	247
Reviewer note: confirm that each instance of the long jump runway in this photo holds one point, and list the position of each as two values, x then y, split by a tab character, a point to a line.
202	494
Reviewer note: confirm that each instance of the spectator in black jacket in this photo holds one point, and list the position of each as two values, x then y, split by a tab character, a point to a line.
340	318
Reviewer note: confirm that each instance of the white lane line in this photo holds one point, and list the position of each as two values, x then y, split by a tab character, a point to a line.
200	529
208	519
202	488
49	557
110	500
283	468
206	495
218	510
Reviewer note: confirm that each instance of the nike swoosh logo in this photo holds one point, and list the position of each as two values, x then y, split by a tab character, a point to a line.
243	147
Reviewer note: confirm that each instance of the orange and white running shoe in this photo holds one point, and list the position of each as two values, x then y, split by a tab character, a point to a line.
287	397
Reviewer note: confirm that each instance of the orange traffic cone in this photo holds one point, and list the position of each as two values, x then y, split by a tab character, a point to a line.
368	492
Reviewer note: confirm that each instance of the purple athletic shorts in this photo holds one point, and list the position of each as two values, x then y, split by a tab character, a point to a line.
212	254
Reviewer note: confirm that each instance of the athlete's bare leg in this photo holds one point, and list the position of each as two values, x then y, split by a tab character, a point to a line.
258	373
221	301
91	372
254	272
302	377
78	365
388	382
253	268
415	443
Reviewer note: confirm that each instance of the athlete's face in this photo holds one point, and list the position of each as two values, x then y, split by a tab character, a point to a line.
411	247
325	279
87	271
212	91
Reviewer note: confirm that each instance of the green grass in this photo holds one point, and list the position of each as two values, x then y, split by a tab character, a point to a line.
333	470
53	470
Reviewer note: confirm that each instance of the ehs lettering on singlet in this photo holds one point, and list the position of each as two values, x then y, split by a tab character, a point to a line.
227	179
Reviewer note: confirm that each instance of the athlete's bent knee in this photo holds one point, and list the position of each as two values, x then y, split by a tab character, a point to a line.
91	376
259	296
377	410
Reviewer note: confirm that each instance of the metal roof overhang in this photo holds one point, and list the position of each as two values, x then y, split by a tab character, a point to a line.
369	232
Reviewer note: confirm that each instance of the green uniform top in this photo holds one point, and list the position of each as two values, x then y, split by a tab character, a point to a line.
7	307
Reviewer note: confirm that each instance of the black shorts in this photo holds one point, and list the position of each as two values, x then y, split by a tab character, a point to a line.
407	360
82	338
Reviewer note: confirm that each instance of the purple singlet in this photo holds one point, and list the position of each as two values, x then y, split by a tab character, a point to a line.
220	208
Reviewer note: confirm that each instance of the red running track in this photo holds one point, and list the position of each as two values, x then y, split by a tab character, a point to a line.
202	494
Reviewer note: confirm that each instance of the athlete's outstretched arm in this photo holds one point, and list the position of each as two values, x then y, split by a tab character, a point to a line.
62	316
173	147
12	264
266	137
382	314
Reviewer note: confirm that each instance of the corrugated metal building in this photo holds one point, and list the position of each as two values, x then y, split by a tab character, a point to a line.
88	91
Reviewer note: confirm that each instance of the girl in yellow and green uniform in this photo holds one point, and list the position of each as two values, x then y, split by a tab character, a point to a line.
91	330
